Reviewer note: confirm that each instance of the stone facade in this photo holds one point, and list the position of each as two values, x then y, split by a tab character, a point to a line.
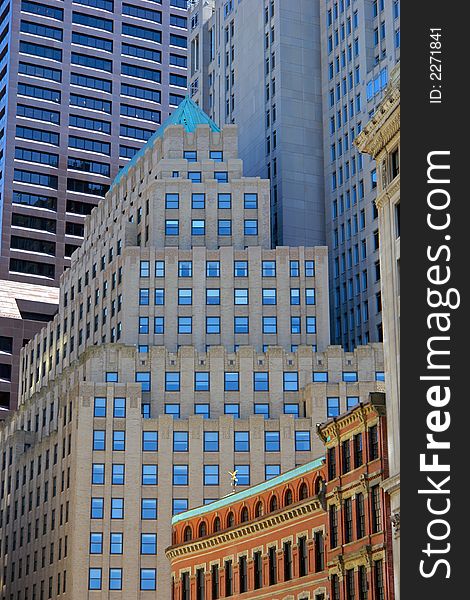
381	139
318	531
360	45
133	406
257	64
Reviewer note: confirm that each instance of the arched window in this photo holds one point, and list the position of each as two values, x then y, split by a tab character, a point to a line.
288	498
230	520
244	516
273	504
259	509
303	492
188	534
202	529
216	524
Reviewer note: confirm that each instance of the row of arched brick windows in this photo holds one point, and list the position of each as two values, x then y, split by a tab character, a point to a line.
276	502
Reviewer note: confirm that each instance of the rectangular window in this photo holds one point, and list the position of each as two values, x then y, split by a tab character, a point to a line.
242	441
287	552
350	587
198	227
201	381
149	509
348	520
180	475
180	441
376	511
97	508
333	518
360	516
241	325
268	268
224	227
311	323
211	441
197	201
213	296
148	579
94	579
346	456
261	381
241	268
211	474
99	439
232	409
332	407
241	296
172	382
309	268
261	409
294	268
291	382
272	441
269	325
269	296
149	474
117	508
185	296
251	227
117	474
302	441
148	543
185	325
97	474
373	443
150	441
295	325
231	382
213	268
212	325
202	409
96	543
159	325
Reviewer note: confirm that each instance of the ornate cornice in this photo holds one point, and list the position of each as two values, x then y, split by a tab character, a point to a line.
265	523
331	430
384	125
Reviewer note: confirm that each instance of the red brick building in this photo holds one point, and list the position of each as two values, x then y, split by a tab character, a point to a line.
317	532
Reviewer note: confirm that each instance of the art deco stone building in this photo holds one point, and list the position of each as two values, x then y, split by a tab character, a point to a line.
184	347
318	531
381	139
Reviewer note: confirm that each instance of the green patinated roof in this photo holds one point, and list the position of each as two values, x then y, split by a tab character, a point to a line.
252	491
187	114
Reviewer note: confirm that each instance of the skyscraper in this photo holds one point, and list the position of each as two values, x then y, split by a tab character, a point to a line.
84	83
184	347
301	79
360	44
257	64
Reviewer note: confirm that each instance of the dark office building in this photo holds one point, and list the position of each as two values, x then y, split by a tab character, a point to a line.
83	85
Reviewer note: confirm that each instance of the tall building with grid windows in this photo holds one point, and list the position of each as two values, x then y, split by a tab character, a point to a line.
257	64
83	84
185	347
360	41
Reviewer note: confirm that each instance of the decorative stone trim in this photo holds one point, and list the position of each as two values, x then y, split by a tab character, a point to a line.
266	523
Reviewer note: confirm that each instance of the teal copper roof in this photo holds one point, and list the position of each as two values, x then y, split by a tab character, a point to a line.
187	114
252	491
